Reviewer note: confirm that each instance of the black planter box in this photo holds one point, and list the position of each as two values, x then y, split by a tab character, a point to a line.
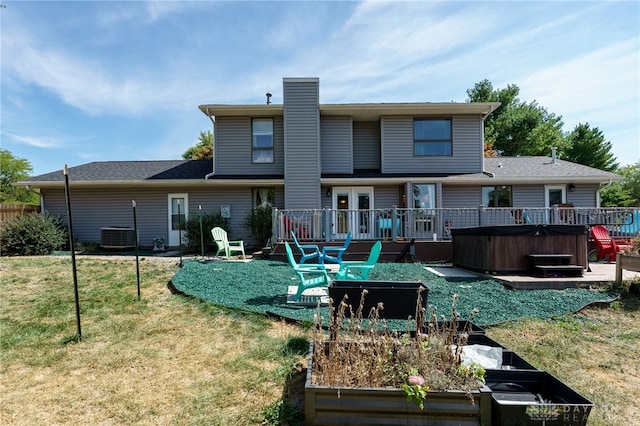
513	361
521	397
462	325
399	297
510	359
483	339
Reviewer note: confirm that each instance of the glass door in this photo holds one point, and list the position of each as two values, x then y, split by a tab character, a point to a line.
353	213
178	208
554	195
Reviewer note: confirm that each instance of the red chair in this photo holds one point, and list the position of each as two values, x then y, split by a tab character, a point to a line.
293	226
607	247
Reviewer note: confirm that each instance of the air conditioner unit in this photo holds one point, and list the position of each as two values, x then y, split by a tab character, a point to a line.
115	237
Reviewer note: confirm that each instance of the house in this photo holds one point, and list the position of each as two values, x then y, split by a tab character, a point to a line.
339	167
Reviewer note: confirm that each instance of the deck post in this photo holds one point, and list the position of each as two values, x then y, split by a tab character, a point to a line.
327	224
394	223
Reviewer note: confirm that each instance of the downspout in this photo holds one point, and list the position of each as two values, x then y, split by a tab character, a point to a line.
213	151
598	192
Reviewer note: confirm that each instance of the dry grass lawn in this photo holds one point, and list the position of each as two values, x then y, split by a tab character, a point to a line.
162	360
170	360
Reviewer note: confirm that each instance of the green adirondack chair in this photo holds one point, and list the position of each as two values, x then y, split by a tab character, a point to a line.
309	275
359	270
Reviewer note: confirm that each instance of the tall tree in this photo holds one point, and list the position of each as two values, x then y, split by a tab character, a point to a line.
516	127
588	146
625	193
12	170
203	150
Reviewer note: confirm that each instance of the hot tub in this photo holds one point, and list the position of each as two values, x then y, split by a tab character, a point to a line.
504	249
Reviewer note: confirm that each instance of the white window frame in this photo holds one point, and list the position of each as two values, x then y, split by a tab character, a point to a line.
258	149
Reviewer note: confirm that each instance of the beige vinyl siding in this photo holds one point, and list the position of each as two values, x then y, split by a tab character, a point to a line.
93	209
336	145
461	196
583	196
533	195
366	145
302	144
233	147
528	195
397	147
386	196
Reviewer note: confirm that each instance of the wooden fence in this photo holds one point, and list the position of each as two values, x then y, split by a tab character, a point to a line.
10	211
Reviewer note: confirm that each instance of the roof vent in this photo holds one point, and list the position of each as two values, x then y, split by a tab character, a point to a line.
553	155
268	98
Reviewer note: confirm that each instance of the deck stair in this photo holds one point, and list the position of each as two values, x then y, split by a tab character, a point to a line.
553	265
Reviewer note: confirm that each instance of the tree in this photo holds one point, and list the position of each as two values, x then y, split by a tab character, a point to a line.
516	127
625	193
203	150
588	146
12	170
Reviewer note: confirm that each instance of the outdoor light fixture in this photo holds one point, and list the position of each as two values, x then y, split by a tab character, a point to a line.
572	187
328	192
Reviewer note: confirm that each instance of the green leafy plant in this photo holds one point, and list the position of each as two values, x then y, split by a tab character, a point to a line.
192	230
416	390
259	222
281	412
32	234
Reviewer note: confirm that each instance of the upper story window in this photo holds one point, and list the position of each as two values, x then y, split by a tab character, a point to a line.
432	136
497	196
262	140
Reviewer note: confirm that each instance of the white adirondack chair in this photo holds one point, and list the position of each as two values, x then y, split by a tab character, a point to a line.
226	246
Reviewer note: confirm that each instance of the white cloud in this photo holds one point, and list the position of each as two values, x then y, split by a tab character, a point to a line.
37	141
600	86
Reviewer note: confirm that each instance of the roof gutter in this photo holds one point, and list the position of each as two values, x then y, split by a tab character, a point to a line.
213	125
606	185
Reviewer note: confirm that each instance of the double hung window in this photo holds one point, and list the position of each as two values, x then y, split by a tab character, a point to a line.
497	196
432	136
264	197
262	140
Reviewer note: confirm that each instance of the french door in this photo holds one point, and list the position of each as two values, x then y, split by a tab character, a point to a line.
352	212
178	208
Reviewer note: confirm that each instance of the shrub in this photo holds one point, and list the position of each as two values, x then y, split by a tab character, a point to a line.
259	222
192	230
32	234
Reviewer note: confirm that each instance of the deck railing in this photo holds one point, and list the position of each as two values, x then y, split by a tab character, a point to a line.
436	224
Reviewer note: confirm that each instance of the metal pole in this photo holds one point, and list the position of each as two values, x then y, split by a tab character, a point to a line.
179	233
201	234
73	251
135	231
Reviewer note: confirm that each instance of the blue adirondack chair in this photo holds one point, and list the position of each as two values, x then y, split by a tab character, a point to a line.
339	251
359	270
308	251
309	275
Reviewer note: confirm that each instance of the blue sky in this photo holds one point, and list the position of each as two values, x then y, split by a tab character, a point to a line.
105	80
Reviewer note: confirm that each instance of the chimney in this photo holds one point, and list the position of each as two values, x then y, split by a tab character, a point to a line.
553	155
